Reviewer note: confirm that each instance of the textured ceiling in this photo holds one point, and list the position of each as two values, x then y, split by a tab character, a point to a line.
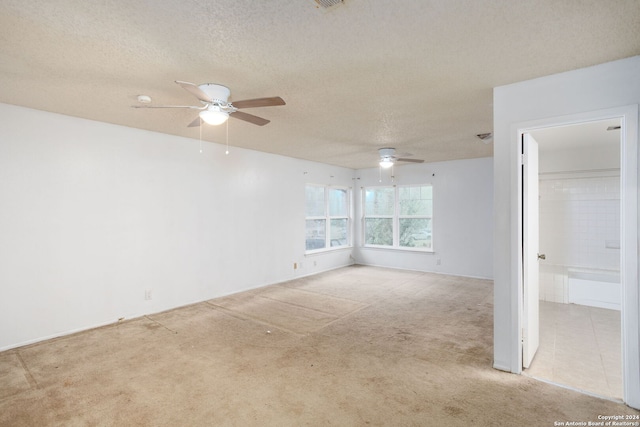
364	74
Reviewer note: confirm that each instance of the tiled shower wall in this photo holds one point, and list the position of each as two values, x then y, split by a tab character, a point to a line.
579	227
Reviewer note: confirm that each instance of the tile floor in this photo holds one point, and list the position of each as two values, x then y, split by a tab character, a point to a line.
580	348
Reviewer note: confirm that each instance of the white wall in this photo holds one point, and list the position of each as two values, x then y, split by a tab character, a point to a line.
584	159
462	217
580	93
92	215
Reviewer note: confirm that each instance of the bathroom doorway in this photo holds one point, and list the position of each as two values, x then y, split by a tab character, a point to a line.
579	267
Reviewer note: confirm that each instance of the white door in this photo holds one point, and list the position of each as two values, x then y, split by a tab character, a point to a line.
530	227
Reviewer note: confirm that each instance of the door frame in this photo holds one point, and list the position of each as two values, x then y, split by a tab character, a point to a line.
530	250
630	307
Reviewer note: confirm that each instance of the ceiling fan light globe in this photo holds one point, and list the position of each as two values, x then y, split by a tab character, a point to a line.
386	163
213	117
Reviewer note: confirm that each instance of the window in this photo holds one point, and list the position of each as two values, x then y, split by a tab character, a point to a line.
379	212
398	216
415	206
327	217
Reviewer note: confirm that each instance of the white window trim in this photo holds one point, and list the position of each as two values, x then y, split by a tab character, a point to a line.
327	217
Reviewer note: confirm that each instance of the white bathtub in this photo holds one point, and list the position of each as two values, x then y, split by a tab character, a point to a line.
595	288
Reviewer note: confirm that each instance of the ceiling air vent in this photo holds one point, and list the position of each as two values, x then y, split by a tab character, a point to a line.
485	137
328	3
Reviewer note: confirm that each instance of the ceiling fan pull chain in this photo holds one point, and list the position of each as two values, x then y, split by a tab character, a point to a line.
227	152
200	128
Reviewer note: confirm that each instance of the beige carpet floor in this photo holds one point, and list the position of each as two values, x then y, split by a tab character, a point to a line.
356	346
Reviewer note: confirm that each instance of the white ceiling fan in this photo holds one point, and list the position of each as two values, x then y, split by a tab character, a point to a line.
388	158
216	107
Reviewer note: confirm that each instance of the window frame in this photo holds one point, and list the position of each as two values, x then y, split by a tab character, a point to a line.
327	217
396	218
378	216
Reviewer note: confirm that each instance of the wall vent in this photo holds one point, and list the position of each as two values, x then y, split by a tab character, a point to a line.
328	3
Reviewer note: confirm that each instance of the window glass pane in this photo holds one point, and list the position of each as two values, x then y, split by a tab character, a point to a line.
338	232
338	202
378	231
379	201
415	200
314	200
315	234
415	232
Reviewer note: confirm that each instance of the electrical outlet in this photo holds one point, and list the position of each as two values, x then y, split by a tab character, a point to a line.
438	261
295	265
147	294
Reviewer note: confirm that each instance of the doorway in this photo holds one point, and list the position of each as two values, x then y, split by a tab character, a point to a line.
579	263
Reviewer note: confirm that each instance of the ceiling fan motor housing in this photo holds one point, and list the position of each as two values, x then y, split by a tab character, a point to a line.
386	152
216	92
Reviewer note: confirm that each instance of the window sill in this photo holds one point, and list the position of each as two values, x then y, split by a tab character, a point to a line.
327	250
398	248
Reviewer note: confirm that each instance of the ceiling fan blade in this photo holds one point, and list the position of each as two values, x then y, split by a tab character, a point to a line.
410	160
195	90
403	155
259	102
195	123
249	118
